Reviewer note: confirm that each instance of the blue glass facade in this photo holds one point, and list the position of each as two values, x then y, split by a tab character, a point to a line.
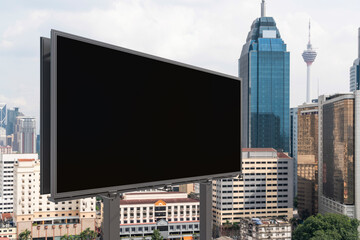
264	68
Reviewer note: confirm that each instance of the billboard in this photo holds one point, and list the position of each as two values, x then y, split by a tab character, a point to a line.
122	120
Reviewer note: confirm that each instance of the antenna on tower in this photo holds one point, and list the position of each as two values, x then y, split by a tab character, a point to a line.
309	30
263	8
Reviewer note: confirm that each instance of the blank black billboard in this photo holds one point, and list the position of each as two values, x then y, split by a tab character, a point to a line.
124	118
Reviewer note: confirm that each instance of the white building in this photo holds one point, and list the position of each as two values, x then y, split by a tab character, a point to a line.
42	217
261	229
265	190
7	162
172	213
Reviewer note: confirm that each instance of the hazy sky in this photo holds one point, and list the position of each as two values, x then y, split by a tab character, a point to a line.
205	33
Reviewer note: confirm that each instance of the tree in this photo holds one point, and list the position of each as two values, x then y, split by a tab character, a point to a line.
67	237
328	226
25	235
156	235
88	234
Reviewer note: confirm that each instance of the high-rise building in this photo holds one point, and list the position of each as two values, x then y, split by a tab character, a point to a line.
339	151
7	162
309	56
45	219
25	135
3	115
293	142
12	113
264	69
265	190
307	159
2	136
355	70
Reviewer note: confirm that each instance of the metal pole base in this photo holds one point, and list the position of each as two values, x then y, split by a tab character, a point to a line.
205	210
111	222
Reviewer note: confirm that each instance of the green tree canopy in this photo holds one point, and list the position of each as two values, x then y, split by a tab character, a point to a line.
156	235
25	235
328	226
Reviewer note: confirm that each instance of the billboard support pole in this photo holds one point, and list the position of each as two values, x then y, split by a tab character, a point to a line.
205	210
111	222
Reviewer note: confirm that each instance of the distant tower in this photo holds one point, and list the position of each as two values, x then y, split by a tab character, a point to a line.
309	56
355	70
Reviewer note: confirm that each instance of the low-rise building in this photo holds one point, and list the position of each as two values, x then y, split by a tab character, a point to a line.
259	229
172	213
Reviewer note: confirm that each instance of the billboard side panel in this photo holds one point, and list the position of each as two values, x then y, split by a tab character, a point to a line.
45	115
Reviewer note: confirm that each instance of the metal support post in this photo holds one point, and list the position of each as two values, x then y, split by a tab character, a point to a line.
111	222
205	210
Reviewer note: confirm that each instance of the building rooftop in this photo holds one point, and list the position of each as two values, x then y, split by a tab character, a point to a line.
153	201
258	150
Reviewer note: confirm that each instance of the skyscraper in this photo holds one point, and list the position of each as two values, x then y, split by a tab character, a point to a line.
294	142
355	70
339	151
309	56
307	159
264	68
2	115
12	113
25	135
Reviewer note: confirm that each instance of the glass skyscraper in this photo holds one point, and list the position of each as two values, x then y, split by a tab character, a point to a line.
264	69
355	70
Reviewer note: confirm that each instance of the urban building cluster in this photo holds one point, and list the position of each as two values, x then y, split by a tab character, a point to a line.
311	152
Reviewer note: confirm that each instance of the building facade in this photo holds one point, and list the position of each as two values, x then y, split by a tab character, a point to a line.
293	143
174	214
264	69
261	229
3	115
12	113
265	190
307	157
7	162
338	154
25	135
42	217
355	70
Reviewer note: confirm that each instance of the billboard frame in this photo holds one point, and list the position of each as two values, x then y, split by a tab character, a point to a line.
57	197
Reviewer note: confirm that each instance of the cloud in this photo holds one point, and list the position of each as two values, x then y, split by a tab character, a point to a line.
205	33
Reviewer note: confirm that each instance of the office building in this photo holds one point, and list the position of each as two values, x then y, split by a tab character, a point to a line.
261	229
293	142
7	162
42	217
5	150
339	137
3	116
265	190
174	214
12	113
264	69
309	56
25	135
307	158
3	136
355	70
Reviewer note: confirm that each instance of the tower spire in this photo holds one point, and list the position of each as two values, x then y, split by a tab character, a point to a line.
263	10
359	44
309	30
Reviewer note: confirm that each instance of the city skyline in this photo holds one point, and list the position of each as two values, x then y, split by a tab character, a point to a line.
180	31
